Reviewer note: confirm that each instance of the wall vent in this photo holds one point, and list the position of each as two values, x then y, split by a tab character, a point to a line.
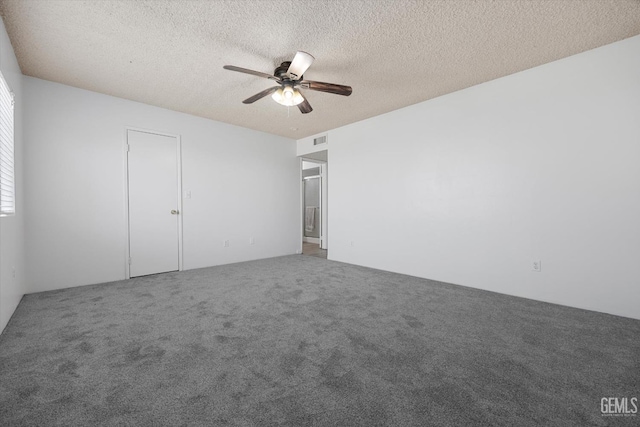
320	140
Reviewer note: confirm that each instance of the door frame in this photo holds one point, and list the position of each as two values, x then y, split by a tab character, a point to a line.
125	148
324	240
320	239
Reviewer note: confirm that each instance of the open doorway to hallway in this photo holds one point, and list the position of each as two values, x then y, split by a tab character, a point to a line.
314	242
313	249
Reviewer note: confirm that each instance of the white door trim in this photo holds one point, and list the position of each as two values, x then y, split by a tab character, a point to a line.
301	210
324	215
127	254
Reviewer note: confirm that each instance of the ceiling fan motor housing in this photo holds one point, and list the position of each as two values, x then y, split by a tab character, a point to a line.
281	71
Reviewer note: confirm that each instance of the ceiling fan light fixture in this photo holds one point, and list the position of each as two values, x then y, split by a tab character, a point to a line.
297	97
287	92
287	96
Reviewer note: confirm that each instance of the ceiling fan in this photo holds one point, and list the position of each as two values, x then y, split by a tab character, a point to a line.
289	76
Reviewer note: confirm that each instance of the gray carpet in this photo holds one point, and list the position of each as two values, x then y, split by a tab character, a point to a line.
301	341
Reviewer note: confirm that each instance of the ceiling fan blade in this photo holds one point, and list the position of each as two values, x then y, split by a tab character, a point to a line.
260	95
327	87
305	107
301	63
255	73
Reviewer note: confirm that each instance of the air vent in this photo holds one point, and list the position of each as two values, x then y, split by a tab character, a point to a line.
320	140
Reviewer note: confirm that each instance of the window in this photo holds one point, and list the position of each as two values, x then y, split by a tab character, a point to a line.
7	181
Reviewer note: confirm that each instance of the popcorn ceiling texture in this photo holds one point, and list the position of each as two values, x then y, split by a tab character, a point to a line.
393	53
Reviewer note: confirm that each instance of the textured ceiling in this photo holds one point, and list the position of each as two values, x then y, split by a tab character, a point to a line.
393	53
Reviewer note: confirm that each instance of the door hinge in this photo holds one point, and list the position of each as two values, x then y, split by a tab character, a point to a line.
128	148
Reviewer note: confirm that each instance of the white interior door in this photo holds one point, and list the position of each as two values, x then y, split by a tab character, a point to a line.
154	239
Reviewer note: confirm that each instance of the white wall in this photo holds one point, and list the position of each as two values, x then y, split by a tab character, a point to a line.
305	145
243	184
472	187
12	227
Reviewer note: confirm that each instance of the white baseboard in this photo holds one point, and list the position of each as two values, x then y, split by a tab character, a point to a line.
315	240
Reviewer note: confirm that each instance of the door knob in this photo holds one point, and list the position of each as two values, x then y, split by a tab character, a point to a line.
174	212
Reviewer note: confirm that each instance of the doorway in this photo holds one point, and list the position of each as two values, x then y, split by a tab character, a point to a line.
314	242
154	203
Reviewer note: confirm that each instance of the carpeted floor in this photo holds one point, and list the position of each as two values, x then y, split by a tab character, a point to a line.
302	341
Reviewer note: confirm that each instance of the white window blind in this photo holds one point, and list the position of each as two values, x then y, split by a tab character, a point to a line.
7	181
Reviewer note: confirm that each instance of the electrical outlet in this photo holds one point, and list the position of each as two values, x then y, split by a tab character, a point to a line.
537	266
187	194
225	244
252	241
13	272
